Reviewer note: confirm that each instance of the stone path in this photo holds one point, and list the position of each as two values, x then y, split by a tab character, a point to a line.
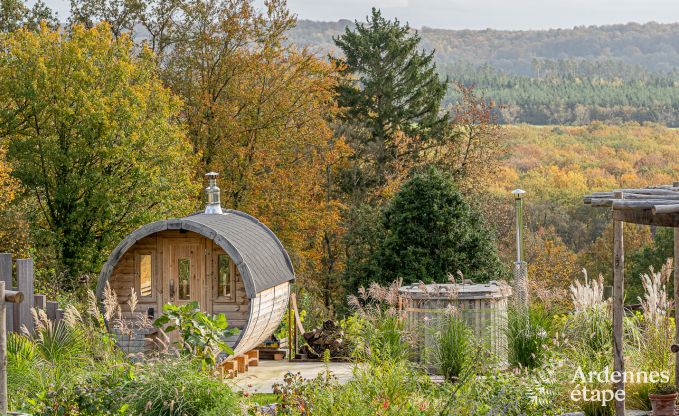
261	379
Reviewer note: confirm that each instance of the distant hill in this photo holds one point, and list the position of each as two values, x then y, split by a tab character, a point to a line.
616	73
653	46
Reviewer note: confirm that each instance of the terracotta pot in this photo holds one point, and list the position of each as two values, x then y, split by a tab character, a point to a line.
663	404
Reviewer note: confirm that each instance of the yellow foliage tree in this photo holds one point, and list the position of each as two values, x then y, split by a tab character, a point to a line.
552	267
93	137
13	221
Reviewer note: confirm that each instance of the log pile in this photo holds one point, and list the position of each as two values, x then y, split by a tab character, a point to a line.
328	337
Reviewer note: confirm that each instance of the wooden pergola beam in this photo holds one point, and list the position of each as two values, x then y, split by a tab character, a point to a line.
645	216
665	209
657	206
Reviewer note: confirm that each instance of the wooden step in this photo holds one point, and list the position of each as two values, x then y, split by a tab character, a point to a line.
253	358
228	369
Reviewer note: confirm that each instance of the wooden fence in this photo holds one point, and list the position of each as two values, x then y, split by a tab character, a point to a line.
19	315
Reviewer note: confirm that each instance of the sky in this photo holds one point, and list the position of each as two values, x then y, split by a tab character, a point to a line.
481	14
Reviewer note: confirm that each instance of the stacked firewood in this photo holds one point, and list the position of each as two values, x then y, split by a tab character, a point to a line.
328	337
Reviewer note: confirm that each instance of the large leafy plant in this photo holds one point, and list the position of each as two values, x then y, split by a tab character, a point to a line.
201	335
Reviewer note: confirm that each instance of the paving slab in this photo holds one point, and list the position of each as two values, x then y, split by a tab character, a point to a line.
261	379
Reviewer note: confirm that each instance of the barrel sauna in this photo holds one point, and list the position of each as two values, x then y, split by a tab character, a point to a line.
226	260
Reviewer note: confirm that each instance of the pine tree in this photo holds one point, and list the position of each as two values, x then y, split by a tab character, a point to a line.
392	88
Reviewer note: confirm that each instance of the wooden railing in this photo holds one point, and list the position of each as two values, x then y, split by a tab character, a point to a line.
19	315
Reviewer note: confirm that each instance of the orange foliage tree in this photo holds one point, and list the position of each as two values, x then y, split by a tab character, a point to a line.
13	221
258	112
552	267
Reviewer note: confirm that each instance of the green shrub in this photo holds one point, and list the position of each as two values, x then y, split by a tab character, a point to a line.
174	387
399	388
590	329
386	339
590	408
664	388
636	395
72	368
66	367
432	232
527	332
21	363
453	344
54	357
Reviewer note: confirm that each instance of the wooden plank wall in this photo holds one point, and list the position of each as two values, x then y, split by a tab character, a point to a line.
123	279
487	317
266	312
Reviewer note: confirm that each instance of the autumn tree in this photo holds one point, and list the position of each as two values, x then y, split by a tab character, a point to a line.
13	221
391	87
120	15
597	258
472	152
93	139
478	141
258	112
15	14
552	268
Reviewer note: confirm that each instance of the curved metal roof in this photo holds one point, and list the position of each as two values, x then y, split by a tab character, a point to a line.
259	255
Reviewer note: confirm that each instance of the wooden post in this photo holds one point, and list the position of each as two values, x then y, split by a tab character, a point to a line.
289	332
6	276
676	303
618	306
52	310
291	329
3	350
40	302
25	285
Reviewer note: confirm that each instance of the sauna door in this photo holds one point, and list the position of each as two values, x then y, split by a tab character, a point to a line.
183	264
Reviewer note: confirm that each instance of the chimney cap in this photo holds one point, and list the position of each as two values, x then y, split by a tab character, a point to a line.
518	193
213	201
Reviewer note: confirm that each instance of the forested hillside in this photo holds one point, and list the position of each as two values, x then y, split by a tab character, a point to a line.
557	165
613	73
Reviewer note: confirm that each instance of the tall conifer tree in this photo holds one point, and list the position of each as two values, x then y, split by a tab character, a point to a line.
392	89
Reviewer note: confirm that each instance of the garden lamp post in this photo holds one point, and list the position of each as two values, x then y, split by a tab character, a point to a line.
520	266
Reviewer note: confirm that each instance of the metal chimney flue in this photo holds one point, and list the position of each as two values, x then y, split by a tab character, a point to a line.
214	205
520	266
